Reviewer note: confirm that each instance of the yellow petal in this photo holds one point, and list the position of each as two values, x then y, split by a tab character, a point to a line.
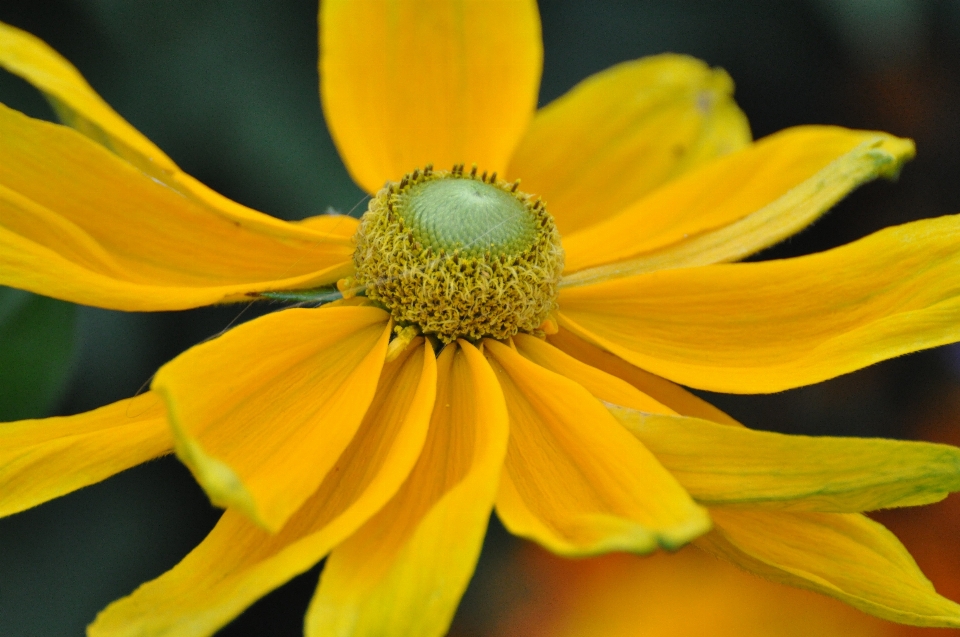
239	562
622	132
77	105
49	457
602	385
261	414
722	465
80	224
774	325
786	180
763	228
717	464
405	570
337	225
660	389
75	102
843	555
405	84
574	480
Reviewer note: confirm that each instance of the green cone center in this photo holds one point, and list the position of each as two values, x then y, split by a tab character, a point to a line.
458	255
469	215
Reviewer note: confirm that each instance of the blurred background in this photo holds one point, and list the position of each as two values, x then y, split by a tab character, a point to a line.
229	91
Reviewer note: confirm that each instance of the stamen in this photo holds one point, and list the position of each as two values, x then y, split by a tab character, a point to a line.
550	325
349	287
401	342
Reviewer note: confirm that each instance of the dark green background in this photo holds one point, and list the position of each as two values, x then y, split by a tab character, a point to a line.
229	90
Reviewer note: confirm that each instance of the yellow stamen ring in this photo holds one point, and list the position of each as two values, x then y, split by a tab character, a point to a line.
459	255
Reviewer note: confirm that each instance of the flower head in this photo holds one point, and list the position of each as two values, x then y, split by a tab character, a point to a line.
458	372
457	255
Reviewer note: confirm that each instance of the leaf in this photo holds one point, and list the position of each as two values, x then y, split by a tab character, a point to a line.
37	342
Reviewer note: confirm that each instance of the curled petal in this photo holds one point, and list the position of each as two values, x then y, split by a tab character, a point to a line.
843	555
262	413
80	224
240	562
75	102
764	193
78	106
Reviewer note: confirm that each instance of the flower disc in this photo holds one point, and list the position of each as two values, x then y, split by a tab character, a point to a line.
459	256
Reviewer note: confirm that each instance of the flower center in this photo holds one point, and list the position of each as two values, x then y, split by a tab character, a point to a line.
467	215
458	255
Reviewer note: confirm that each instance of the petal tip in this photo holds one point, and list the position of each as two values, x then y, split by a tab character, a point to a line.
697	524
220	482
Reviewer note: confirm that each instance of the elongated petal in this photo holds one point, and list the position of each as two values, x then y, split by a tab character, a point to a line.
662	390
80	224
75	102
836	554
843	555
574	480
262	413
405	84
622	132
314	257
722	465
49	457
239	562
405	570
77	105
769	326
789	179
719	465
765	227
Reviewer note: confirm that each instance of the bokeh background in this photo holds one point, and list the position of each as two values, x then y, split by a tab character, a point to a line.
229	91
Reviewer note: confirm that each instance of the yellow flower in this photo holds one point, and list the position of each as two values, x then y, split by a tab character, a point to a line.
322	437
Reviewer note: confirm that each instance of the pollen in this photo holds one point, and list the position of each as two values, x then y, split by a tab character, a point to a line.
459	255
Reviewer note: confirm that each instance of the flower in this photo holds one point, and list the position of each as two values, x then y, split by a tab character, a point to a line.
326	432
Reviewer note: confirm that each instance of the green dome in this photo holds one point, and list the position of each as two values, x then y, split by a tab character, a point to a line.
468	214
